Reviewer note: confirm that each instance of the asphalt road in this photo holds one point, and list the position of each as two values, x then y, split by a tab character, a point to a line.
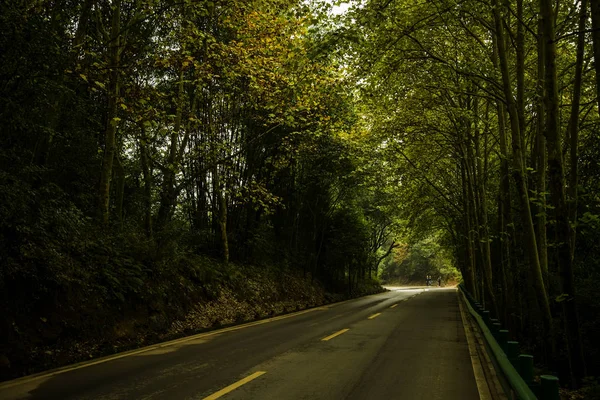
402	344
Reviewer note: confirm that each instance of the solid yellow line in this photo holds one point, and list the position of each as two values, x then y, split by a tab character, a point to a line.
234	386
338	333
393	305
375	315
84	364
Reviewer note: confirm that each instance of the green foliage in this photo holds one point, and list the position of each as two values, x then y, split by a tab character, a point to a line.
344	148
230	132
424	258
435	127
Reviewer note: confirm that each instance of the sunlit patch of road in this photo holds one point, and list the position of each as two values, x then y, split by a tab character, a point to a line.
407	288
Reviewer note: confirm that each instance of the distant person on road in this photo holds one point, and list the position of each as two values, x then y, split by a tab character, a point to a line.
439	281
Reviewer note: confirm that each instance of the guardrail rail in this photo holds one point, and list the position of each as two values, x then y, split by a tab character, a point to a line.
516	368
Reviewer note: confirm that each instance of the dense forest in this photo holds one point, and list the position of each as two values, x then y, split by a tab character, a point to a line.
153	153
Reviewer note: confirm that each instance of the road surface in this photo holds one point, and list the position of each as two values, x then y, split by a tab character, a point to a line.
401	344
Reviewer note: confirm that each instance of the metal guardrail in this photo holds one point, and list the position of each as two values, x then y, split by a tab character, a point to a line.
517	368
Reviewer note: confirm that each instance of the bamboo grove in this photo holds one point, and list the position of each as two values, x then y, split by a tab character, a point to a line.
489	110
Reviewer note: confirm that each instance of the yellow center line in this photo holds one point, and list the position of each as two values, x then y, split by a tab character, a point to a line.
234	386
393	305
334	335
375	315
85	364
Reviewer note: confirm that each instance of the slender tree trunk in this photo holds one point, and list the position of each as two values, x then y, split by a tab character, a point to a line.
147	184
520	71
520	179
505	214
596	39
470	261
573	133
381	258
167	194
120	175
82	23
223	226
484	234
111	122
349	280
558	196
472	198
541	161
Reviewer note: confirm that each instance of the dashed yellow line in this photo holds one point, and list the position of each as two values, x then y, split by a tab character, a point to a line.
235	385
393	305
338	333
375	315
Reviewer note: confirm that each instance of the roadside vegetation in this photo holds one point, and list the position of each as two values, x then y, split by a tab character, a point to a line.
168	167
484	119
412	262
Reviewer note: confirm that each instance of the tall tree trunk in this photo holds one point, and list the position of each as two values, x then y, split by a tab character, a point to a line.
520	71
484	235
470	265
506	231
520	179
223	226
111	122
474	209
82	23
558	196
143	143
505	217
120	175
168	194
381	258
540	159
596	40
573	134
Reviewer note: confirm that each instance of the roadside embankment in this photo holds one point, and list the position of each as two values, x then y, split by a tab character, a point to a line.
76	326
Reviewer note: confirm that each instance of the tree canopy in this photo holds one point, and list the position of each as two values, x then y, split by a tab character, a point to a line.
398	139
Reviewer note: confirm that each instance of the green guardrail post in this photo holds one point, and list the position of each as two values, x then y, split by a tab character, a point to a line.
503	339
495	327
526	368
549	387
521	384
486	317
512	352
492	325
